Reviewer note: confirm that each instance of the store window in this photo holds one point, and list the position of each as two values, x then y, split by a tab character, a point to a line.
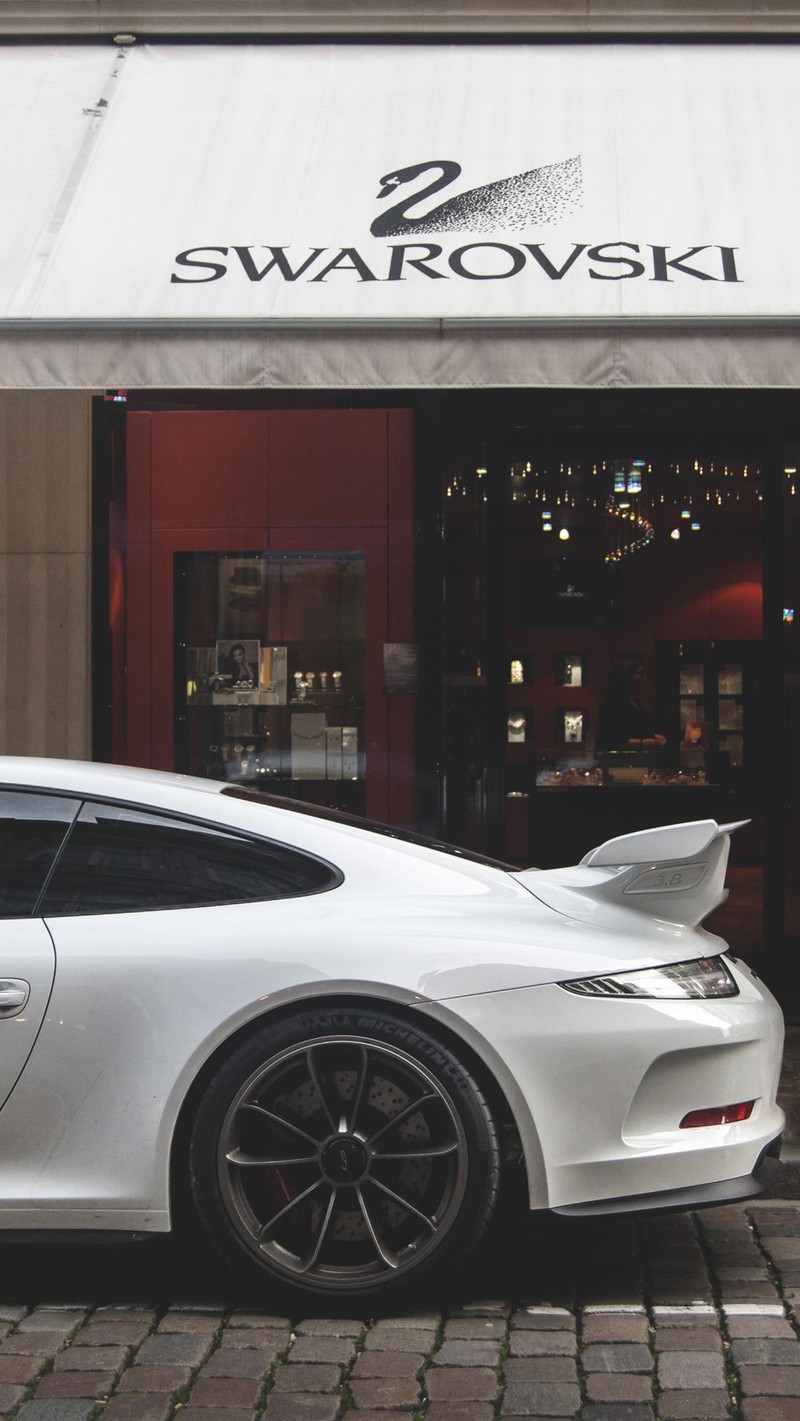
610	645
265	629
270	676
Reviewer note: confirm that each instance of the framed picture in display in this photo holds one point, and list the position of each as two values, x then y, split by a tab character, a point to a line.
570	668
571	725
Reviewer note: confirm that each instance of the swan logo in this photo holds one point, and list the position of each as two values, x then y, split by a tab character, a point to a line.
520	203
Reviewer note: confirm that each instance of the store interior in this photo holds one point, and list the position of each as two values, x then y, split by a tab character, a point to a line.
620	603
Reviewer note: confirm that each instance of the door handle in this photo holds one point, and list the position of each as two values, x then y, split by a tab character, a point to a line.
14	994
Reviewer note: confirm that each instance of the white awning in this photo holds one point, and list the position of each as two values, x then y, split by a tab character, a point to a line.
392	216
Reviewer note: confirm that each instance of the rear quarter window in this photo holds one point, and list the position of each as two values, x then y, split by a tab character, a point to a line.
127	860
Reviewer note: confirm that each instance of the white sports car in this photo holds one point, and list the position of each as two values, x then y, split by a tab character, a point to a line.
340	1036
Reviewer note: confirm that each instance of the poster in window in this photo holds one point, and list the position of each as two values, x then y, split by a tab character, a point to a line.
238	665
400	666
242	589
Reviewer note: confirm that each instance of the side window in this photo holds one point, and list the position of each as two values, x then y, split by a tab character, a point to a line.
121	860
32	829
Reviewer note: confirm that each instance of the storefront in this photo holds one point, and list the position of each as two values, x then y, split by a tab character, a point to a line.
442	388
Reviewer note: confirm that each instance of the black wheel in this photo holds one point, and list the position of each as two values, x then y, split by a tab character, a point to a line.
344	1154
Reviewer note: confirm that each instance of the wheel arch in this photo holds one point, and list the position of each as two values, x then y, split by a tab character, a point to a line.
519	1141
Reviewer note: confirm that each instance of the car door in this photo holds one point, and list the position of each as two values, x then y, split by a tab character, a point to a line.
33	827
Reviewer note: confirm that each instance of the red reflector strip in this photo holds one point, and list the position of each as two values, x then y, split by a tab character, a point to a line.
719	1115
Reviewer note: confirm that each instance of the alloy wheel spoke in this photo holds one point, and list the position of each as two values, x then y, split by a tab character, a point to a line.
279	1120
389	1258
238	1156
331	1108
359	1089
435	1152
308	1262
401	1115
404	1204
269	1227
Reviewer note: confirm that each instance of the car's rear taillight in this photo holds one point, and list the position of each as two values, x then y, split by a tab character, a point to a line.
718	1115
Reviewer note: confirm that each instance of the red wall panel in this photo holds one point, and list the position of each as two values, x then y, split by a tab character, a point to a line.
328	466
210	469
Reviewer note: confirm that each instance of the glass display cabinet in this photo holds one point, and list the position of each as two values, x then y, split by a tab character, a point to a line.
270	672
711	691
708	699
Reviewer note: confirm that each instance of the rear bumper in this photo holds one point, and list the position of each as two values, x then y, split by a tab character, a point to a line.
606	1083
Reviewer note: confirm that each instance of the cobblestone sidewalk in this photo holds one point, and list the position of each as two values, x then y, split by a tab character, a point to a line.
688	1317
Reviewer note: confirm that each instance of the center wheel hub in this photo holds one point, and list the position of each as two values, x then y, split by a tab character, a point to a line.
344	1160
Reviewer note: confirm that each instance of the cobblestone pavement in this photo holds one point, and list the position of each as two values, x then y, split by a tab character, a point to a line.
677	1317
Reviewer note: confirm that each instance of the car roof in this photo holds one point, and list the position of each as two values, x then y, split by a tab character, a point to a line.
128	782
89	776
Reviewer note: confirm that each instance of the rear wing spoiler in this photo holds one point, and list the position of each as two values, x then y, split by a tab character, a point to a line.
675	873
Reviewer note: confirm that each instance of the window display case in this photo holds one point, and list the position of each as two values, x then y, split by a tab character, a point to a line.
270	672
712	692
579	800
615	769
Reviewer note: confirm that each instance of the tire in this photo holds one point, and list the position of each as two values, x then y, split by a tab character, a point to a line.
344	1155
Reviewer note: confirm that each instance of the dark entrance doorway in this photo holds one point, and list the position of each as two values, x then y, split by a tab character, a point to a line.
591	537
